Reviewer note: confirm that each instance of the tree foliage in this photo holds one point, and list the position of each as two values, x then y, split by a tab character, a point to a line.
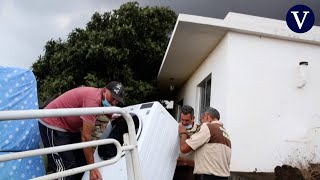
126	45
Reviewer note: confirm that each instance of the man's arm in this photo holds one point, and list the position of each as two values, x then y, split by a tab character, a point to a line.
86	135
195	141
184	147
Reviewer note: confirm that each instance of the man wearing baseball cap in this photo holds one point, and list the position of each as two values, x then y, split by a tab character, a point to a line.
57	131
116	90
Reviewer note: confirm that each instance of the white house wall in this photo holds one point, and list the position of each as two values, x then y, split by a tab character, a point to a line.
254	86
216	64
270	120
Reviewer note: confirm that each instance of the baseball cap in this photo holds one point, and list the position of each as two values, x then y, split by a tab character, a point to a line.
117	90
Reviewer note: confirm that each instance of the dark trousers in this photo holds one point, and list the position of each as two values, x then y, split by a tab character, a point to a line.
62	161
183	173
209	177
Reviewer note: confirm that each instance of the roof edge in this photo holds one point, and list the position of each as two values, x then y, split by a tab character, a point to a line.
255	25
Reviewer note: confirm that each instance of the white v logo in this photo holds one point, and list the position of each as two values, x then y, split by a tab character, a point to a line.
295	14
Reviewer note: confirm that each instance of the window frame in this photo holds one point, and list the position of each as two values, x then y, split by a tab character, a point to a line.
205	87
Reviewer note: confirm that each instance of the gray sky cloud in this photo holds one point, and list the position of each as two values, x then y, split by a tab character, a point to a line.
25	26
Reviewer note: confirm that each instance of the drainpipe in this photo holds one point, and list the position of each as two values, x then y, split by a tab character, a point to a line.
302	76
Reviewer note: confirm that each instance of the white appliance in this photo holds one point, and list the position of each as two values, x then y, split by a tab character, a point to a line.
158	145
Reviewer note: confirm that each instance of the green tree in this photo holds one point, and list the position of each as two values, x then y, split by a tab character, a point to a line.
127	45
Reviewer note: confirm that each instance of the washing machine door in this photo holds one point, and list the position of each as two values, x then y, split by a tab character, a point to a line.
115	130
117	170
108	129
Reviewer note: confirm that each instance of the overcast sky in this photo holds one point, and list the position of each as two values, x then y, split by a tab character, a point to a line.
26	25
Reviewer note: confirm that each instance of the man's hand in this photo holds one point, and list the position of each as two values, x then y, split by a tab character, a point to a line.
95	175
182	161
184	147
182	129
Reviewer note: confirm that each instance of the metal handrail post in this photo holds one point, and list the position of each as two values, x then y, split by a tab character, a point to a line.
134	152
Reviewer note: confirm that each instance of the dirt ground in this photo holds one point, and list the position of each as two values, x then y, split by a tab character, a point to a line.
284	172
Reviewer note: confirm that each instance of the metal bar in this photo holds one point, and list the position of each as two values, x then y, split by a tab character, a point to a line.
40	113
89	167
134	152
130	171
127	148
79	169
50	150
31	114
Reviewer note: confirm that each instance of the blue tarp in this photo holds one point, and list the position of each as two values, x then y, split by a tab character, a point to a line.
26	168
18	91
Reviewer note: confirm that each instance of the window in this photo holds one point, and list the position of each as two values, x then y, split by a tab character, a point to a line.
180	104
205	93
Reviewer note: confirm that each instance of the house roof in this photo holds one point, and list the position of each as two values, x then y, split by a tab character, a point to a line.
195	37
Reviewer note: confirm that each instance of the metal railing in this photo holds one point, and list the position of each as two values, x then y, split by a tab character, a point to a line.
132	159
